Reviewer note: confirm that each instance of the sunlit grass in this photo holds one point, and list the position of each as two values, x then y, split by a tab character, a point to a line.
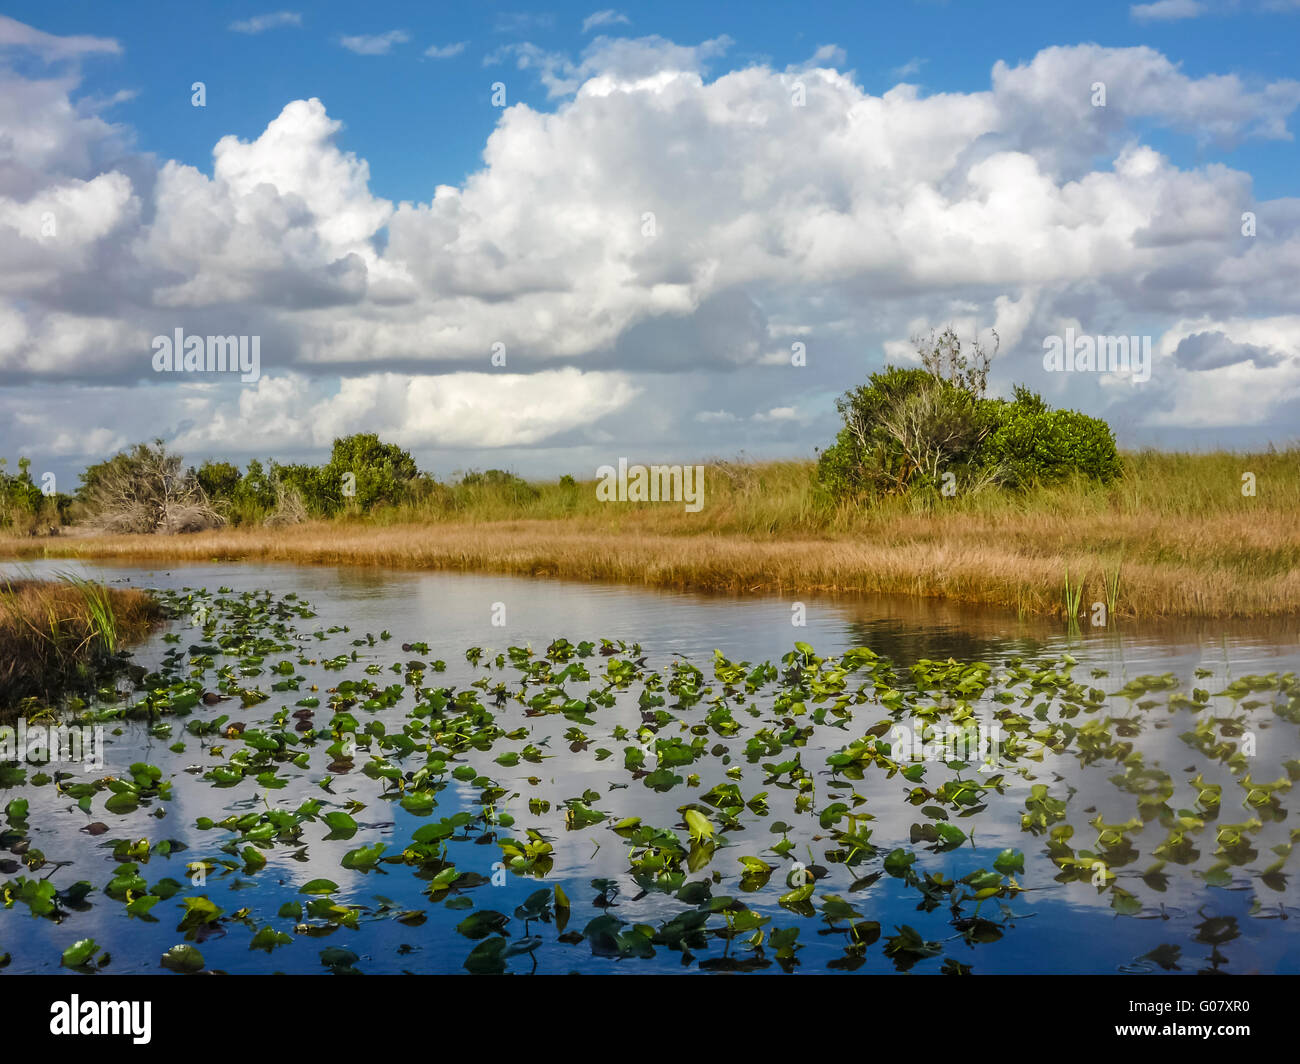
55	630
1186	539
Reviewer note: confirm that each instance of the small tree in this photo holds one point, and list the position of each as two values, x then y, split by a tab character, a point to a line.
943	357
219	480
146	489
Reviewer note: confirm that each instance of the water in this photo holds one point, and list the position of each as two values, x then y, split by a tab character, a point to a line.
1052	926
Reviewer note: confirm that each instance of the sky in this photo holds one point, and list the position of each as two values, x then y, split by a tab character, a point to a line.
545	238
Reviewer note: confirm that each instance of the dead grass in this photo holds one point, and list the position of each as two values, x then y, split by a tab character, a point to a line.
1176	528
1167	568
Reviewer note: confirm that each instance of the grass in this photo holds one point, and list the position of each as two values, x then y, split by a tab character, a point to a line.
1188	542
53	632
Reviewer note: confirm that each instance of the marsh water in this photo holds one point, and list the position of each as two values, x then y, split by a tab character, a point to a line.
1192	878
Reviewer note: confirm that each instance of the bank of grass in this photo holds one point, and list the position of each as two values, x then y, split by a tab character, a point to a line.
1174	536
55	634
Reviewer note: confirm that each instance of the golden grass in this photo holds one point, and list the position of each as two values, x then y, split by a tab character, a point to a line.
50	629
1177	530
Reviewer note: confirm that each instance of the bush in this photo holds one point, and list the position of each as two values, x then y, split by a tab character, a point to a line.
903	428
907	428
219	480
23	507
363	472
146	489
1031	443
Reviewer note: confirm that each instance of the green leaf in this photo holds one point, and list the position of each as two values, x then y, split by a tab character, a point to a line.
79	953
183	958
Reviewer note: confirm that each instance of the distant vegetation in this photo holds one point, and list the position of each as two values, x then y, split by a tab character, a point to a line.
930	489
922	434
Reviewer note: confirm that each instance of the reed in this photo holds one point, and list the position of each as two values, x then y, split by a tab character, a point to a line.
56	633
1188	542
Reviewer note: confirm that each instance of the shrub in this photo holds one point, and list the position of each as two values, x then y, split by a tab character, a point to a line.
146	489
376	473
904	427
24	508
1032	443
219	480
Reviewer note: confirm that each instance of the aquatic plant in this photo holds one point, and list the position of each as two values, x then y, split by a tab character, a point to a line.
759	813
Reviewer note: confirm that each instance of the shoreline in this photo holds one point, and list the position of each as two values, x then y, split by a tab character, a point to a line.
56	634
992	562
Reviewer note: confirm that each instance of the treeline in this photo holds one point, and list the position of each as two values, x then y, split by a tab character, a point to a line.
148	488
24	507
916	435
364	475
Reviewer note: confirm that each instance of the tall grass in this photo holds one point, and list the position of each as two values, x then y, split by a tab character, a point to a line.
55	634
1188	542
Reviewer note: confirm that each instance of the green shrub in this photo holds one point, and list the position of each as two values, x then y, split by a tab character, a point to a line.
255	495
903	428
1031	443
219	480
20	497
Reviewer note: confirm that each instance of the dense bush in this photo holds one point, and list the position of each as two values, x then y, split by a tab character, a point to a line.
906	429
219	480
1031	443
24	508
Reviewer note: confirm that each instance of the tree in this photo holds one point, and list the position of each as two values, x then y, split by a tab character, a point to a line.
146	489
943	358
907	428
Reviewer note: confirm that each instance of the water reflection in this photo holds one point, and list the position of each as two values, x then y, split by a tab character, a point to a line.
1182	924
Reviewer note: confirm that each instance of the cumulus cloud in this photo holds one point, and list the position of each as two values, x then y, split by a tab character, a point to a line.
1213	350
650	246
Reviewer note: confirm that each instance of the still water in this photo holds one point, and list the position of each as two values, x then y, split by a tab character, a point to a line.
1198	910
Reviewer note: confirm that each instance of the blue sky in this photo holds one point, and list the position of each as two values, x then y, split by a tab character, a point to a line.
837	176
422	121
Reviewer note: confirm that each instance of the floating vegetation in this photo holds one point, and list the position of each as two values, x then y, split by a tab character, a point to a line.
574	806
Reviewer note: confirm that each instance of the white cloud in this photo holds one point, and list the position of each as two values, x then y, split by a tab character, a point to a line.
453	410
262	23
1167	10
48	46
375	44
608	17
635	246
445	51
911	67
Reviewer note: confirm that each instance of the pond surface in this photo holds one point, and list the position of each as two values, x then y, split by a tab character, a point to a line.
1133	818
